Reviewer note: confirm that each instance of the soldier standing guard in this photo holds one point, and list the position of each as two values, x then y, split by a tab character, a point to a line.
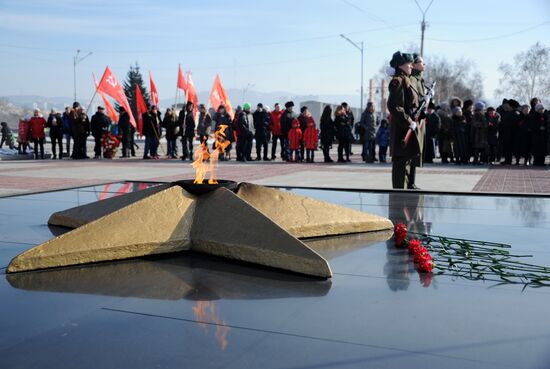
402	102
419	88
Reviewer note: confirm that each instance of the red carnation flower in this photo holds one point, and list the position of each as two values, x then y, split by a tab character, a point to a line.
419	253
425	266
413	244
400	232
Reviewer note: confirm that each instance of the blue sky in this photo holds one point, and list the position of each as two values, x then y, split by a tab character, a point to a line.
276	46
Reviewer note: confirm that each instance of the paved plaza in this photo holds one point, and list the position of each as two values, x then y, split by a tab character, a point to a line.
25	176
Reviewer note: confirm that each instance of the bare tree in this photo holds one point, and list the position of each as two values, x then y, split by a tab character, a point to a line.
528	76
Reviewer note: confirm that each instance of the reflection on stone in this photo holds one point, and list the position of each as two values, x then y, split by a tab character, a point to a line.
190	276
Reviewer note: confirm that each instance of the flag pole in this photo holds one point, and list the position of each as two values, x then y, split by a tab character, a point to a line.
94	95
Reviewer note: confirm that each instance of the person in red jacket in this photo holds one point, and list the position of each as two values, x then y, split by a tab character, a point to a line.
311	136
275	128
37	125
295	138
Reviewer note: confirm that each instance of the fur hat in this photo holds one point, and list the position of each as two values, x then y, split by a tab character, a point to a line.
513	104
399	58
289	104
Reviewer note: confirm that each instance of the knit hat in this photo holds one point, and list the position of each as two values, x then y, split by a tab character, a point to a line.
246	106
513	104
457	109
539	106
260	105
479	105
289	104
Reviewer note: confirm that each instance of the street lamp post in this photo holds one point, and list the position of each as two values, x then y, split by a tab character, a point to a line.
77	59
245	90
360	47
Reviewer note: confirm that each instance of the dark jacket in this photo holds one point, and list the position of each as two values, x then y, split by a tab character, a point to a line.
242	125
327	130
99	124
80	124
493	122
189	129
55	124
402	102
170	123
261	124
478	132
204	125
151	124
224	119
124	126
539	133
343	129
383	136
286	122
367	126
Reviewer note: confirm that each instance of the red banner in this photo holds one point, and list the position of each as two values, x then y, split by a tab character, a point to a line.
111	112
192	93
154	92
218	96
141	109
110	85
182	83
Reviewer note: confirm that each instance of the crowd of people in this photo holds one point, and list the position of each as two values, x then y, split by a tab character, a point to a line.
460	132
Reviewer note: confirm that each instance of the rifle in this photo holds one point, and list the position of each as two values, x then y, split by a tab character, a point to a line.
417	113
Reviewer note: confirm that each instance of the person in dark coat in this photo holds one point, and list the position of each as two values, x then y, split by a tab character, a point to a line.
508	125
303	118
538	122
445	135
350	118
125	131
493	122
343	134
327	133
55	124
99	126
67	129
188	131
80	129
402	103
287	118
170	125
522	137
151	131
244	135
275	128
204	124
433	124
261	125
459	136
478	134
383	140
222	118
367	132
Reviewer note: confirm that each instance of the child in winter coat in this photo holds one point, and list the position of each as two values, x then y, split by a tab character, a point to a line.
23	136
383	140
294	138
311	136
7	137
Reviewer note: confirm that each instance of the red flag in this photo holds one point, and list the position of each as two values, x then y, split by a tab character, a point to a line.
182	83
191	92
110	85
110	110
218	96
154	93
141	109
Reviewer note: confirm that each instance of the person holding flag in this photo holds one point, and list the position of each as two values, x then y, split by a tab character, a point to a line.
125	131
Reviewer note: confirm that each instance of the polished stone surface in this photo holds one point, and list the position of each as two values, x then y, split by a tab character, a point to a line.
195	311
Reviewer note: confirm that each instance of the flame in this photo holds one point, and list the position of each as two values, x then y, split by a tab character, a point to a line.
206	312
202	155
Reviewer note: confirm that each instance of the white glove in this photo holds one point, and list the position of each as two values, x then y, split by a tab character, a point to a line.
412	125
